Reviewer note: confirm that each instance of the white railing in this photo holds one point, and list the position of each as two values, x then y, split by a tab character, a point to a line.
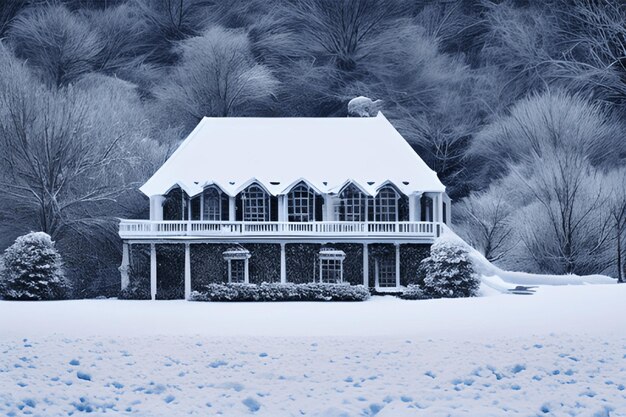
149	228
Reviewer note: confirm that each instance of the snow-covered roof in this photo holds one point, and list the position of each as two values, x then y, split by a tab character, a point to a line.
278	153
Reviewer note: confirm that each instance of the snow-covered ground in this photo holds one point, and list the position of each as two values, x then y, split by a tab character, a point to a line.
560	352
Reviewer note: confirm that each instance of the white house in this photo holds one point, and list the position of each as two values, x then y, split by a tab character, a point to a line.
286	200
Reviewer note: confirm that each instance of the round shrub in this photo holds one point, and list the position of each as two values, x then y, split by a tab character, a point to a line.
448	272
33	270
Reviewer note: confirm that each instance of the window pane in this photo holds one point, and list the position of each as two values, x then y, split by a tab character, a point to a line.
212	205
331	271
353	205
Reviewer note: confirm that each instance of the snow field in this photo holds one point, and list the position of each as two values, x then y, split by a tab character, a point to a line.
555	375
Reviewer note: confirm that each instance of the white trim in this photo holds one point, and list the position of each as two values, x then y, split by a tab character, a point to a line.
187	272
153	271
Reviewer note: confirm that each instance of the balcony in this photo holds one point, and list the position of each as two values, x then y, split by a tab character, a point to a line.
148	229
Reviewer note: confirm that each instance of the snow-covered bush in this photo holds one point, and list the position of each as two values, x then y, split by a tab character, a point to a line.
281	292
33	270
448	271
413	292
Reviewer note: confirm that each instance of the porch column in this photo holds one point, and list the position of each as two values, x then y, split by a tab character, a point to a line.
283	264
246	275
397	264
281	208
156	207
231	209
439	207
366	266
153	271
187	271
124	266
329	209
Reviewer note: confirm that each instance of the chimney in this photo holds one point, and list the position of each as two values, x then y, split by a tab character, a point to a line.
363	107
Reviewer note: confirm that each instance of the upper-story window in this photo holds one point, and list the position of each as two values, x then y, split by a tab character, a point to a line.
212	204
353	206
256	204
301	203
386	205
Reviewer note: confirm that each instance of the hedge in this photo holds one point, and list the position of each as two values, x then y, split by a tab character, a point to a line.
281	292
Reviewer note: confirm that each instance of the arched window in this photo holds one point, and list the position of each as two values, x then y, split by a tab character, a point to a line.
386	205
301	203
212	205
353	205
256	204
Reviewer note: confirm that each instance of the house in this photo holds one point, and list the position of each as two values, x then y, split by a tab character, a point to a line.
286	200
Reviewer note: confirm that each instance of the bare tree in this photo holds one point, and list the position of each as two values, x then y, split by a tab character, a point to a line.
485	221
617	210
217	76
564	224
64	156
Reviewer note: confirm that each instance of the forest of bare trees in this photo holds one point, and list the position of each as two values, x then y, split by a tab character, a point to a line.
520	106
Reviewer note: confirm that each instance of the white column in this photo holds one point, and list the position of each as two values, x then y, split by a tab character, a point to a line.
231	209
329	208
187	271
439	207
283	264
246	277
412	207
418	207
366	266
156	207
153	271
124	266
397	264
282	208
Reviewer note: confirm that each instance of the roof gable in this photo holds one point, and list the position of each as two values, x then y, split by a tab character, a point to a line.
278	152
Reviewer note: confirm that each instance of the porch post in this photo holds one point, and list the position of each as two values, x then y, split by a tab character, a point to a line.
397	264
187	271
246	276
283	264
231	209
440	207
124	266
156	207
153	271
328	215
366	266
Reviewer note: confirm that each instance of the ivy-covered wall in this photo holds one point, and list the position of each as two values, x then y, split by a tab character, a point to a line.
170	271
302	262
353	264
139	270
207	264
410	257
264	263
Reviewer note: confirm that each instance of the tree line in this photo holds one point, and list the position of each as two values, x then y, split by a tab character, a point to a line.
518	105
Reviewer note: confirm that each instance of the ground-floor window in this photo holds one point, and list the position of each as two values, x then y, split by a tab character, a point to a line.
238	270
331	265
237	259
386	272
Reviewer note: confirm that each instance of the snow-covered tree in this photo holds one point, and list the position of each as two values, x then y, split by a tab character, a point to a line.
448	271
57	43
218	76
484	221
33	270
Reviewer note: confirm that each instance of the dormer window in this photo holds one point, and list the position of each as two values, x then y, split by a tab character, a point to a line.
256	204
386	205
301	203
353	206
